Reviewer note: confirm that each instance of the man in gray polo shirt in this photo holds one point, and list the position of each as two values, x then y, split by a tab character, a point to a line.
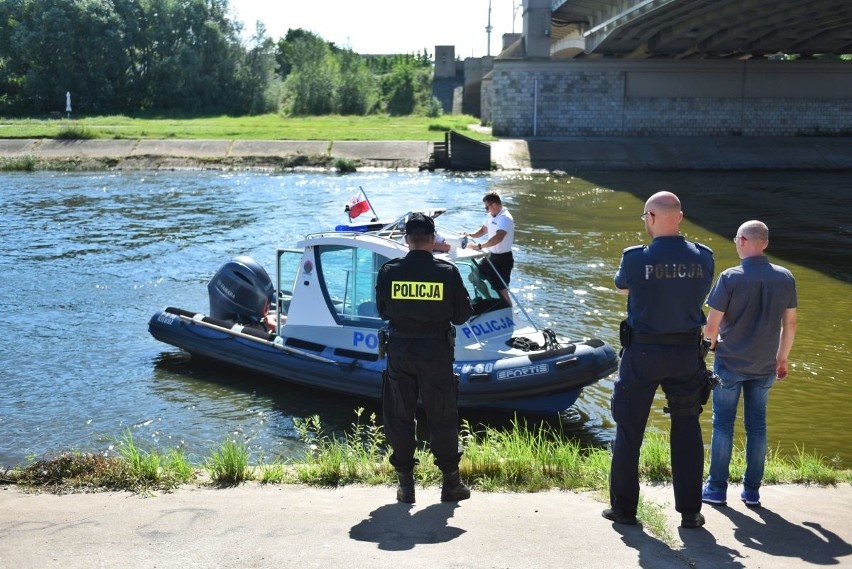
751	327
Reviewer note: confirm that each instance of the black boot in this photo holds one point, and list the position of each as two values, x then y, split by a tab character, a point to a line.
405	491
453	489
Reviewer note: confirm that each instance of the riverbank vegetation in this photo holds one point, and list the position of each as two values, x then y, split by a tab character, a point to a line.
97	57
522	458
259	127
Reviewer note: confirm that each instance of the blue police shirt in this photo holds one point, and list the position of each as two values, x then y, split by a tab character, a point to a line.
668	281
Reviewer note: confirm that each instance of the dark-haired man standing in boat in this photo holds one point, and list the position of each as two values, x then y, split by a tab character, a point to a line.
666	283
422	297
499	226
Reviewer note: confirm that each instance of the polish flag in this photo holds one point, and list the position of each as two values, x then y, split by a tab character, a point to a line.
357	205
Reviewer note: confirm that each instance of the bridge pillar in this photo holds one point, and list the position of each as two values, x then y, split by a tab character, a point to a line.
537	28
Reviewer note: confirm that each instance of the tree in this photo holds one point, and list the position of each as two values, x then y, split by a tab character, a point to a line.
356	94
398	89
258	72
70	45
311	83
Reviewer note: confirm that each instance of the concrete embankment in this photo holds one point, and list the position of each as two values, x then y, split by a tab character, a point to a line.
568	154
275	526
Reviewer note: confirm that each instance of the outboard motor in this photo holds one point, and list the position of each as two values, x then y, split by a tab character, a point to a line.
240	291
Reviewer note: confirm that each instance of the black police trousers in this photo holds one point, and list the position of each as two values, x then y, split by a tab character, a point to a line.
424	368
679	371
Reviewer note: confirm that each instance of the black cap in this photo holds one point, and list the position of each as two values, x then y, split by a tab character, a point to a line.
418	223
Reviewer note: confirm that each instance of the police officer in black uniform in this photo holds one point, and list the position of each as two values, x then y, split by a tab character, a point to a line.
667	283
422	296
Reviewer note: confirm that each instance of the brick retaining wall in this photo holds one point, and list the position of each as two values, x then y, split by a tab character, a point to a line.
670	98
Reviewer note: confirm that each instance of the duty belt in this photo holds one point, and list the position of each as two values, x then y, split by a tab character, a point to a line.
415	336
686	338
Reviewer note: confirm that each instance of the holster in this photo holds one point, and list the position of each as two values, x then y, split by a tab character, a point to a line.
383	342
624	335
624	332
704	348
710	380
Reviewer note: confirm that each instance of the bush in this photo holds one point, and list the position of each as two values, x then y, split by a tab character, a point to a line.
76	133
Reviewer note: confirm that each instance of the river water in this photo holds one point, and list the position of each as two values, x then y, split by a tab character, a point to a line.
88	257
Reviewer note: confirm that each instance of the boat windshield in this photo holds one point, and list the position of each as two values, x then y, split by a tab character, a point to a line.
349	278
288	268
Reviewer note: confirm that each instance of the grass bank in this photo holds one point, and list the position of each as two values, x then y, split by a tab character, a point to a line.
522	458
259	127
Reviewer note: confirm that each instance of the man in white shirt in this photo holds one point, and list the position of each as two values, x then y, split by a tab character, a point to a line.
500	228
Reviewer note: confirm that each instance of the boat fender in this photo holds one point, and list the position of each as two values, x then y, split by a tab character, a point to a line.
256	332
179	312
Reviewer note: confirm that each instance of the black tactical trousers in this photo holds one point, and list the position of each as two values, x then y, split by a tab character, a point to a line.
421	368
679	371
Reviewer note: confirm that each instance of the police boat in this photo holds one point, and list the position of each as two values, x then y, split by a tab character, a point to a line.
319	326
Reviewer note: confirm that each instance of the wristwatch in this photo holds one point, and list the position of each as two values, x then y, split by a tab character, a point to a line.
479	245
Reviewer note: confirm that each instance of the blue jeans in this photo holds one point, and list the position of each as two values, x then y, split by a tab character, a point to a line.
726	398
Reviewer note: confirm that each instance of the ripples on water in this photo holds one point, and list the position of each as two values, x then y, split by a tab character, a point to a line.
89	257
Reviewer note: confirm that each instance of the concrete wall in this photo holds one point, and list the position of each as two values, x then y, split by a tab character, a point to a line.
445	61
487	93
449	76
475	68
671	97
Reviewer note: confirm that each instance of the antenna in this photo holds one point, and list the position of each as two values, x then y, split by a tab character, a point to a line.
488	29
515	7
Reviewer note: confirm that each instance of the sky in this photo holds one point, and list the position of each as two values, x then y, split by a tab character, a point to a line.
388	26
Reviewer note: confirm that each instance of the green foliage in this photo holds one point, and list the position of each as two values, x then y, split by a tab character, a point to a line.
398	90
654	462
345	165
274	473
129	56
331	460
434	109
529	458
133	469
384	64
310	85
229	465
76	132
356	91
654	519
148	469
24	164
259	127
521	458
323	80
188	56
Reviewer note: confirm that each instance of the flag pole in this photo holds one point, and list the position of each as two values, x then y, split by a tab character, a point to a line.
375	215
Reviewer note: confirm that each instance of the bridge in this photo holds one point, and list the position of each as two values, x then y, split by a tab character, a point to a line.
598	68
698	29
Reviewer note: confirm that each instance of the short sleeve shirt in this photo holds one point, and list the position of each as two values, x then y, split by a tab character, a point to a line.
668	282
753	297
502	221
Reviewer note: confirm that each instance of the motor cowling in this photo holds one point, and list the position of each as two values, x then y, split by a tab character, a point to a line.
240	291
